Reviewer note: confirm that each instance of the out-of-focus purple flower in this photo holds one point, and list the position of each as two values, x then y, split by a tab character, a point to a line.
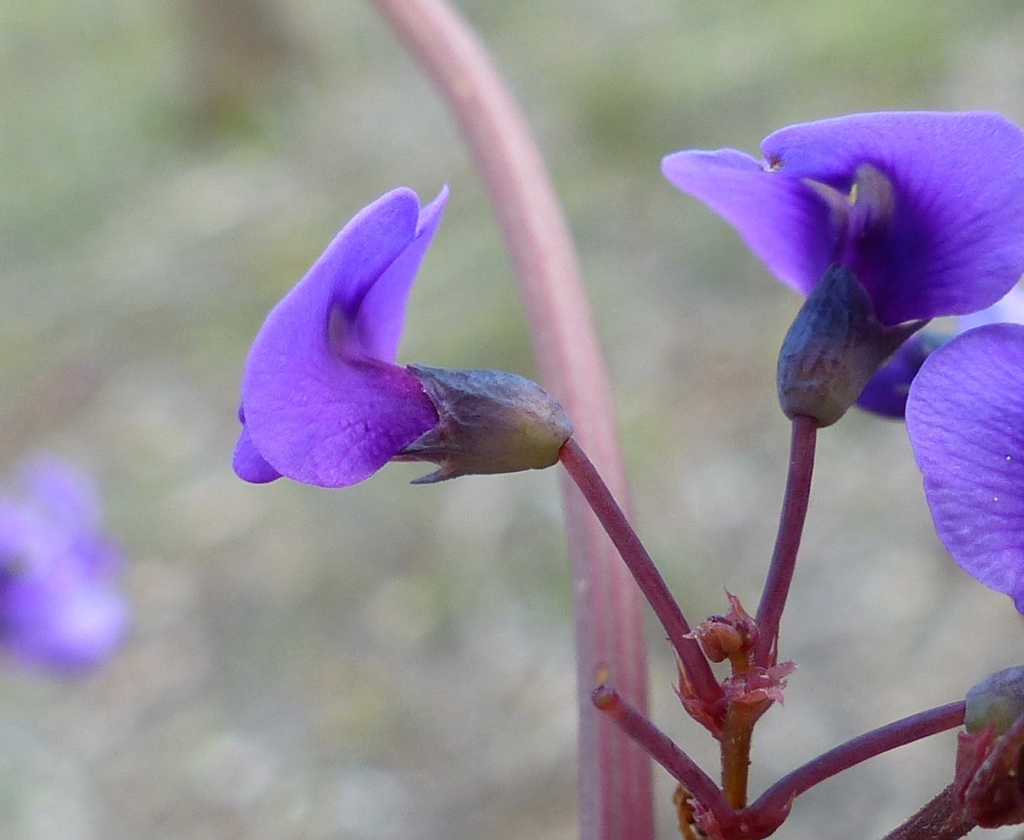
322	400
324	403
886	393
965	417
925	209
61	606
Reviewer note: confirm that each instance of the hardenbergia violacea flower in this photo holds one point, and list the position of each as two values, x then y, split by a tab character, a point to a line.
922	211
323	401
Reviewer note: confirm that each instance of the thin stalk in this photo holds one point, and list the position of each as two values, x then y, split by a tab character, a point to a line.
663	750
614	775
645	573
778	798
787	543
737	733
941	819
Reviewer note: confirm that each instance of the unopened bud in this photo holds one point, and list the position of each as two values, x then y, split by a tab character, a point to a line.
997	701
989	760
490	422
720	640
834	347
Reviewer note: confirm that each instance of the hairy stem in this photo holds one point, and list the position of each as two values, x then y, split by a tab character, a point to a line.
787	543
614	775
644	572
941	819
778	798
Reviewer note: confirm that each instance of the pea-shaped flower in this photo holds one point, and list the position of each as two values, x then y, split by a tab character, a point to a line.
921	211
61	606
323	401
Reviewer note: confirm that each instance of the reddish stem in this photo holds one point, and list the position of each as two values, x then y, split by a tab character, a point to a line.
778	798
787	543
663	750
941	819
614	775
737	733
644	572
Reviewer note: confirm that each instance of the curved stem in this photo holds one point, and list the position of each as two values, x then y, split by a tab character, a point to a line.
787	543
614	775
778	798
645	573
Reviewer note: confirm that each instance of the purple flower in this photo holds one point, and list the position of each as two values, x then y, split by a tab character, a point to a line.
322	400
965	417
324	403
60	603
925	209
884	221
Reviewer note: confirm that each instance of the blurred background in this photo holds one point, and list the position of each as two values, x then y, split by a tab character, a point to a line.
392	661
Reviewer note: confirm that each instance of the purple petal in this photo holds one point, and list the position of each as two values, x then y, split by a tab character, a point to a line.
380	318
886	393
354	260
783	220
1010	309
248	464
953	245
367	271
322	403
327	422
965	417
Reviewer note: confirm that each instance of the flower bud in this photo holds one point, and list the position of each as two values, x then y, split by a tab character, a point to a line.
997	701
490	422
719	640
834	347
990	754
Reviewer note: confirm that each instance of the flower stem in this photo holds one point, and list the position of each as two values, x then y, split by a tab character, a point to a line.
787	543
663	750
614	775
644	572
941	819
737	732
778	798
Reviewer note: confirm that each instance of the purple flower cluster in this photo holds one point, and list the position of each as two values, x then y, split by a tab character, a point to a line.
926	211
60	602
883	220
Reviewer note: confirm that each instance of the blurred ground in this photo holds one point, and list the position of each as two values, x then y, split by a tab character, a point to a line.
396	662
